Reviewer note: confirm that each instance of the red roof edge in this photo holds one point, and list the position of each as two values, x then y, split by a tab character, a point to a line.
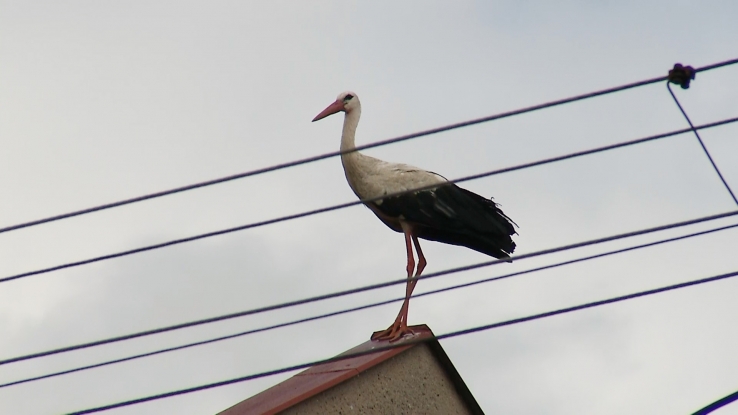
319	378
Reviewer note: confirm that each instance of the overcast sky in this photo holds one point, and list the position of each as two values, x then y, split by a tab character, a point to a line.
101	101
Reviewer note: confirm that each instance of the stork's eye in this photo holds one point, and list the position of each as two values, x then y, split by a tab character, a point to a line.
348	97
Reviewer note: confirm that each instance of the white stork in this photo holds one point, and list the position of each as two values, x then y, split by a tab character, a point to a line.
446	213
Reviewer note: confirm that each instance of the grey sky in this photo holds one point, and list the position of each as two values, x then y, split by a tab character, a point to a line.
102	101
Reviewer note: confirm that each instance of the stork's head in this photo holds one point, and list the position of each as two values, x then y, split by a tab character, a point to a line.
346	102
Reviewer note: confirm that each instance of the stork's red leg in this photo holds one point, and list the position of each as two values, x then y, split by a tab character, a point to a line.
399	327
421	258
411	284
402	315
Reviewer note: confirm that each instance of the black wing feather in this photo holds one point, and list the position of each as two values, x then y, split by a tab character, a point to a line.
456	216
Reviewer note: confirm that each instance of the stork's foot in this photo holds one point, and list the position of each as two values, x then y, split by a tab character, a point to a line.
396	331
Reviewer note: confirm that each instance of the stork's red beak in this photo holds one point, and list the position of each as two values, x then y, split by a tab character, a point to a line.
332	109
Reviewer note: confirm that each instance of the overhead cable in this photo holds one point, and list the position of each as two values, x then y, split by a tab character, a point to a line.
363	289
411	341
718	404
699	139
358	202
364	307
359	148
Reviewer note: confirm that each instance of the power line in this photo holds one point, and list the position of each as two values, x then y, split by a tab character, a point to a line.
358	202
702	143
363	289
718	404
364	307
414	341
359	148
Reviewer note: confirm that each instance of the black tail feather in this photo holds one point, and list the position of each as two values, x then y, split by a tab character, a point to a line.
456	216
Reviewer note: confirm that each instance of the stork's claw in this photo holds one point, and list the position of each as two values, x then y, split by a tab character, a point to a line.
393	333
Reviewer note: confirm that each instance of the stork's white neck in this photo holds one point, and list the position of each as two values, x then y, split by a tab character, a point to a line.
352	162
348	136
